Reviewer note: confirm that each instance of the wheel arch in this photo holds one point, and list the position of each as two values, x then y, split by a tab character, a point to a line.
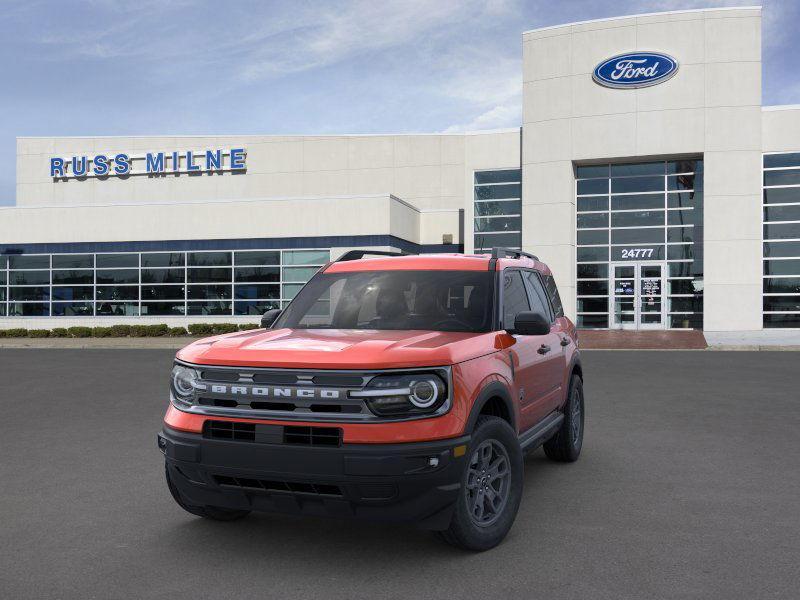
494	399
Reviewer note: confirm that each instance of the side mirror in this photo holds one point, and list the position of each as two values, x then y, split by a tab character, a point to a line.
531	323
269	317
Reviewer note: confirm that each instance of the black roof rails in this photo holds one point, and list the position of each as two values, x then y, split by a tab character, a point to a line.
357	254
500	252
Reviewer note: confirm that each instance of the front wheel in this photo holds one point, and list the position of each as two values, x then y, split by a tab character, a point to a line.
491	488
566	444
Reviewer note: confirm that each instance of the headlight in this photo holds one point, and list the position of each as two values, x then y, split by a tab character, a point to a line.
405	394
183	384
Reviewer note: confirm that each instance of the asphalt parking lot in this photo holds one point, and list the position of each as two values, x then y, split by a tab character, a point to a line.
688	487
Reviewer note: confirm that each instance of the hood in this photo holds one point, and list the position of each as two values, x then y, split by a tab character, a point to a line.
340	348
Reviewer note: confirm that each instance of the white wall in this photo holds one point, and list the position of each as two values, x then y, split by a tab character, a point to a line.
712	106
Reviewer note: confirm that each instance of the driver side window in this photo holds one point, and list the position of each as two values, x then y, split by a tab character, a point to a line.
515	298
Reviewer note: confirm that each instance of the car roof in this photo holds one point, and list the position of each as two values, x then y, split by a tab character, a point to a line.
434	262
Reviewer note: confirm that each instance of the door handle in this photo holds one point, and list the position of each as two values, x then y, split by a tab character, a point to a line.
543	349
565	341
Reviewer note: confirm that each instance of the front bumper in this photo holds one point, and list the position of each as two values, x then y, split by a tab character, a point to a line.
406	483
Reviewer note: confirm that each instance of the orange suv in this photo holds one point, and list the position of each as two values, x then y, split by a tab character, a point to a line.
395	387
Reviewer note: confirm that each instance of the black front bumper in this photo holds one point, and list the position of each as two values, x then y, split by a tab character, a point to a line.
386	482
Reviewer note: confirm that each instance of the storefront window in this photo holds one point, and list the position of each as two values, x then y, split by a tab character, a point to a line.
498	209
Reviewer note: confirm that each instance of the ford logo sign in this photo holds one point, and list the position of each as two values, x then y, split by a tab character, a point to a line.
635	70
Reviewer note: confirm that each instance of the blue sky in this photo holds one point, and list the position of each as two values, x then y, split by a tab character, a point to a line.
151	67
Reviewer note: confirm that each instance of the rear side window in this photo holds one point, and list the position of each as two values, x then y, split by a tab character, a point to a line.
515	298
552	292
538	296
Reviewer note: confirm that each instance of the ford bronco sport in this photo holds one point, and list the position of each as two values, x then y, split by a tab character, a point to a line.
402	388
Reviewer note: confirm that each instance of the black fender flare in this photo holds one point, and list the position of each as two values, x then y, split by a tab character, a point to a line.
491	390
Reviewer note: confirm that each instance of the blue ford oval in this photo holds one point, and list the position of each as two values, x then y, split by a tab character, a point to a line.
635	70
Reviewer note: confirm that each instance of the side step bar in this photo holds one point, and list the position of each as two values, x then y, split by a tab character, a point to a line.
541	432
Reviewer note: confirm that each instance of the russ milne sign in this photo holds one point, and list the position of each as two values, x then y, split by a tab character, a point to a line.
151	163
635	70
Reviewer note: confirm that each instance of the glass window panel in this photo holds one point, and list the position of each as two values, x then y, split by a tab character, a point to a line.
492	240
2	294
555	297
29	293
681	269
118	276
684	182
648	168
163	275
593	321
254	307
592	186
694	321
782	231
637	236
515	298
777	321
3	262
306	257
589	171
84	292
683	217
592	271
164	259
73	309
684	166
789	159
498	176
592	236
504	207
117	292
593	220
782	213
782	303
685	200
782	267
209	275
254	292
302	274
259	257
584	204
498	224
220	307
498	192
592	254
28	309
779	249
162	309
162	292
637	202
29	277
593	305
23	261
679	252
684	286
636	184
782	195
3	308
290	290
2	277
209	292
73	277
209	259
117	309
257	274
694	304
680	234
592	288
788	177
113	261
73	261
637	219
782	285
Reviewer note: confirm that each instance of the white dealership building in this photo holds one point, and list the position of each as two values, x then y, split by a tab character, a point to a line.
645	172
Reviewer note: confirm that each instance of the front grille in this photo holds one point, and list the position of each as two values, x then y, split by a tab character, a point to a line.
289	487
273	434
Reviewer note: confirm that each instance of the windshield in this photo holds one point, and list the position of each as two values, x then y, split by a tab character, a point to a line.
429	300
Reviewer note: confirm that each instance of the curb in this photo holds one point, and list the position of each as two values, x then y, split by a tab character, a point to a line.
171	343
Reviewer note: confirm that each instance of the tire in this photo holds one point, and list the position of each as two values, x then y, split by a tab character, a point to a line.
566	444
478	532
215	513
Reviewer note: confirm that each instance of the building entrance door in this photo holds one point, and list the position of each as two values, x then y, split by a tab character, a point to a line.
637	290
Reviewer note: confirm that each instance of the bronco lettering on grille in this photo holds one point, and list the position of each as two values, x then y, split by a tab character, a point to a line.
275	392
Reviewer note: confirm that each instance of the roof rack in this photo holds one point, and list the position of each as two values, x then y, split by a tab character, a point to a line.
500	252
358	254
